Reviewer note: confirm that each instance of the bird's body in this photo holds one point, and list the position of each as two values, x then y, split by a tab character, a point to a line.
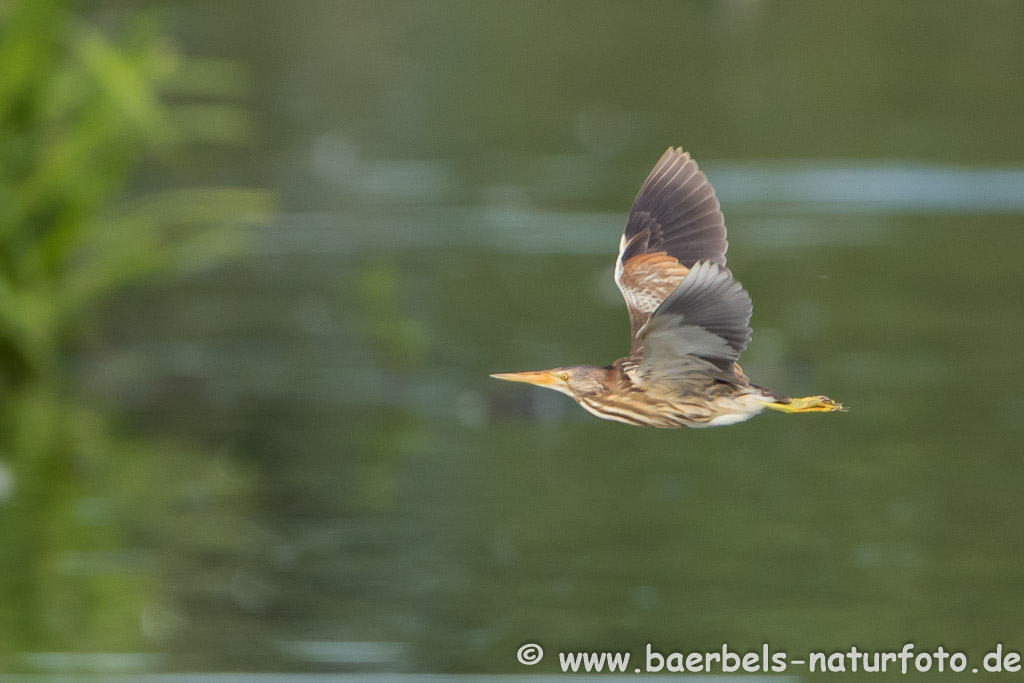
707	404
689	319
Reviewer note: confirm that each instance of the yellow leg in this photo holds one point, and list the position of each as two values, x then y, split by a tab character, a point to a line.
807	404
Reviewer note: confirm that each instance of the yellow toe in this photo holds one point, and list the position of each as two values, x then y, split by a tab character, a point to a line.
808	404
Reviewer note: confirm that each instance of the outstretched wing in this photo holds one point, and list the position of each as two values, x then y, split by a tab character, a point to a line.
700	329
675	222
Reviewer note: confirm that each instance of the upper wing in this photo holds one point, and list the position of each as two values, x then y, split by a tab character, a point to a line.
675	221
701	328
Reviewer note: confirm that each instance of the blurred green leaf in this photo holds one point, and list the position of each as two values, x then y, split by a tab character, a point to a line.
213	123
79	109
210	78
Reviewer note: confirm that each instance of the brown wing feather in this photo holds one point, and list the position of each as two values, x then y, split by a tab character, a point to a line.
646	280
675	222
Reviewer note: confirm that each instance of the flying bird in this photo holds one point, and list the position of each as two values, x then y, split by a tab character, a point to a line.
689	318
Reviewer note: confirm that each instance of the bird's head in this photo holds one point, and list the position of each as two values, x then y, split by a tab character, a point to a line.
573	380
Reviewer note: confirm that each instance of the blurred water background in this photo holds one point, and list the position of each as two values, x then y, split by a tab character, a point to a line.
258	259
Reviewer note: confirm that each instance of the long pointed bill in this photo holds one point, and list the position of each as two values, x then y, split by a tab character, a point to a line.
541	378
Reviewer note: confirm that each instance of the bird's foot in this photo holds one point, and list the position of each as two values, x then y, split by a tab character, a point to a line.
808	404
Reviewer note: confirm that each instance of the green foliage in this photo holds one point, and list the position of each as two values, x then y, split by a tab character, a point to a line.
77	114
79	110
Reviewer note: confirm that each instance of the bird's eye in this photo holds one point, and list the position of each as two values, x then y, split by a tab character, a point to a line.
564	377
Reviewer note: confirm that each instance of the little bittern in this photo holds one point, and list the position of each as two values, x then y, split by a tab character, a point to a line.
689	319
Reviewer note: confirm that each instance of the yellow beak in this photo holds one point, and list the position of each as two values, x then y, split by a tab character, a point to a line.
541	378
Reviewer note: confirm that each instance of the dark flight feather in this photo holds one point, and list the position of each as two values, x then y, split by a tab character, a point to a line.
675	222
